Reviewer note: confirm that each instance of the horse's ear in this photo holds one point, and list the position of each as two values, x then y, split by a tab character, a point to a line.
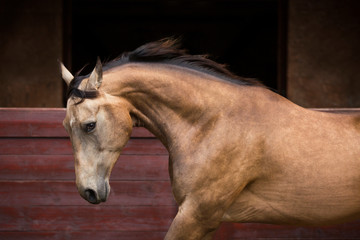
95	78
65	74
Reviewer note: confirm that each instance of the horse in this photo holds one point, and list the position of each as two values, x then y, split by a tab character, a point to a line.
238	152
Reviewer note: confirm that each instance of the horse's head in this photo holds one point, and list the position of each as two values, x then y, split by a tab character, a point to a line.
99	127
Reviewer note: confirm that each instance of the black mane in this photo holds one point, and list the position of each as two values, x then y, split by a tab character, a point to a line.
164	51
168	51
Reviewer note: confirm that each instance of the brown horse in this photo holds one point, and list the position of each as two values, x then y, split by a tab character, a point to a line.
238	152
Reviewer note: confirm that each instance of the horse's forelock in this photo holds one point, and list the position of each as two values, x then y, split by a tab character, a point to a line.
74	91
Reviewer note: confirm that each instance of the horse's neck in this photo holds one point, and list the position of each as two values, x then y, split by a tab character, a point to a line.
171	101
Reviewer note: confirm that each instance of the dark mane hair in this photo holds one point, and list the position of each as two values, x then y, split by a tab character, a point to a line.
166	51
73	90
169	51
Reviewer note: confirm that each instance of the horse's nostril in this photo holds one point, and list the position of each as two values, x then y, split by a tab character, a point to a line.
91	196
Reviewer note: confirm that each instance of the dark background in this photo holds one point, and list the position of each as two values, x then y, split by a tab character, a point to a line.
242	34
306	50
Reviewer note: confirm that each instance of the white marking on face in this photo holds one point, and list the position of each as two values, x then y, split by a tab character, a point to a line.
72	121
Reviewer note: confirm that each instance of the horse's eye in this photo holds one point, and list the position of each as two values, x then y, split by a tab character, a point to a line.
90	126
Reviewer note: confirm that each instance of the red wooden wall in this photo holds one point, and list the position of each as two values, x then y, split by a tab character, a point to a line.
39	200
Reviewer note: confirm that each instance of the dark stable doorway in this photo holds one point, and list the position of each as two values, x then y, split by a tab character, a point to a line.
240	33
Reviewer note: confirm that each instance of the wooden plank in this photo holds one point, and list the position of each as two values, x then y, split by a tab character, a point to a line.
85	235
41	122
31	129
224	231
62	146
37	167
61	167
140	132
25	122
32	114
267	231
86	218
102	219
36	146
60	193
